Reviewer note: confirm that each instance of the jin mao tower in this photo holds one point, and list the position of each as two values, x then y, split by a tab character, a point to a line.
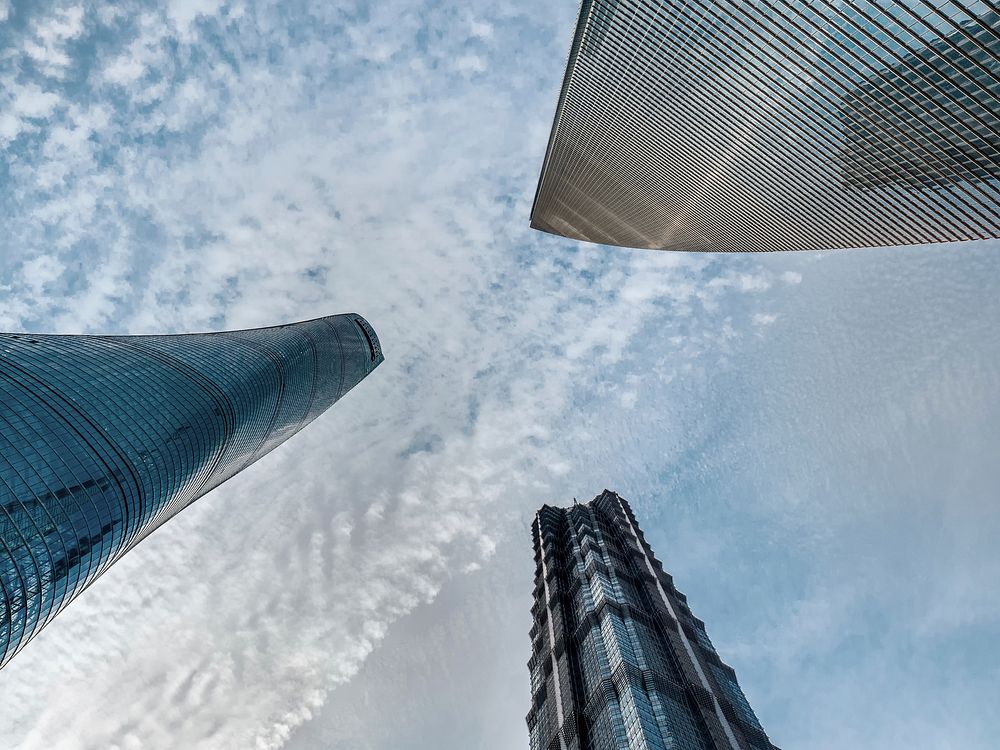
619	661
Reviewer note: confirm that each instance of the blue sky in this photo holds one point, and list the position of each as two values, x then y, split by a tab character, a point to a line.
809	440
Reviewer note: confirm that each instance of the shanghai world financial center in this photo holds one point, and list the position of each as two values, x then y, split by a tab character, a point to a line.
744	125
707	125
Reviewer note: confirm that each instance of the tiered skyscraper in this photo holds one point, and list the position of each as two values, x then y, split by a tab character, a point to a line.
744	125
104	438
619	662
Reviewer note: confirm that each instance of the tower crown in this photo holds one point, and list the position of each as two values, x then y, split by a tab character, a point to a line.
618	658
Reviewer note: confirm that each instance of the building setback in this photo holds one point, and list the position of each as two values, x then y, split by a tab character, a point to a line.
619	662
104	438
744	125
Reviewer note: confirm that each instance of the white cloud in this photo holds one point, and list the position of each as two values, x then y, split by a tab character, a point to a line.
791	277
481	29
41	271
184	13
46	47
124	70
470	64
32	101
764	319
10	126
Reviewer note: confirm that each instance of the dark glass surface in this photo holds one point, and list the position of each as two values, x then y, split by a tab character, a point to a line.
104	438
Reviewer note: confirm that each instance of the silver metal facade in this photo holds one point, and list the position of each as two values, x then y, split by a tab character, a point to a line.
619	661
753	125
104	438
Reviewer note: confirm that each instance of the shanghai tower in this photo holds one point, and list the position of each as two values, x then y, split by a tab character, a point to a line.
619	661
104	438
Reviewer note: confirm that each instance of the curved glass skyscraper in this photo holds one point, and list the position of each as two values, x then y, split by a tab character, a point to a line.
104	438
748	125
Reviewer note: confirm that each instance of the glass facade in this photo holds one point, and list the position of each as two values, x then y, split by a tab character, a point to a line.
619	661
104	438
755	125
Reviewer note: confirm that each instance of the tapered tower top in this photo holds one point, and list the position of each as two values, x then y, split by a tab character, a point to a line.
105	438
618	658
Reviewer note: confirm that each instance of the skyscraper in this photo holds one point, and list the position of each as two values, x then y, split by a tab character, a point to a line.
745	125
619	662
104	438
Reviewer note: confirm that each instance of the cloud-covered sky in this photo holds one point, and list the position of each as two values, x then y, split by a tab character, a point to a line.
809	441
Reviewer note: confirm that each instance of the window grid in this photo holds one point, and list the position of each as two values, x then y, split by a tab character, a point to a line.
743	125
627	680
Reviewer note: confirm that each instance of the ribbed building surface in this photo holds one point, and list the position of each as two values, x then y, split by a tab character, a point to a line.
619	662
104	438
744	125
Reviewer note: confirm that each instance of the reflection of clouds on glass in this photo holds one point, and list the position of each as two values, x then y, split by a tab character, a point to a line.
938	99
